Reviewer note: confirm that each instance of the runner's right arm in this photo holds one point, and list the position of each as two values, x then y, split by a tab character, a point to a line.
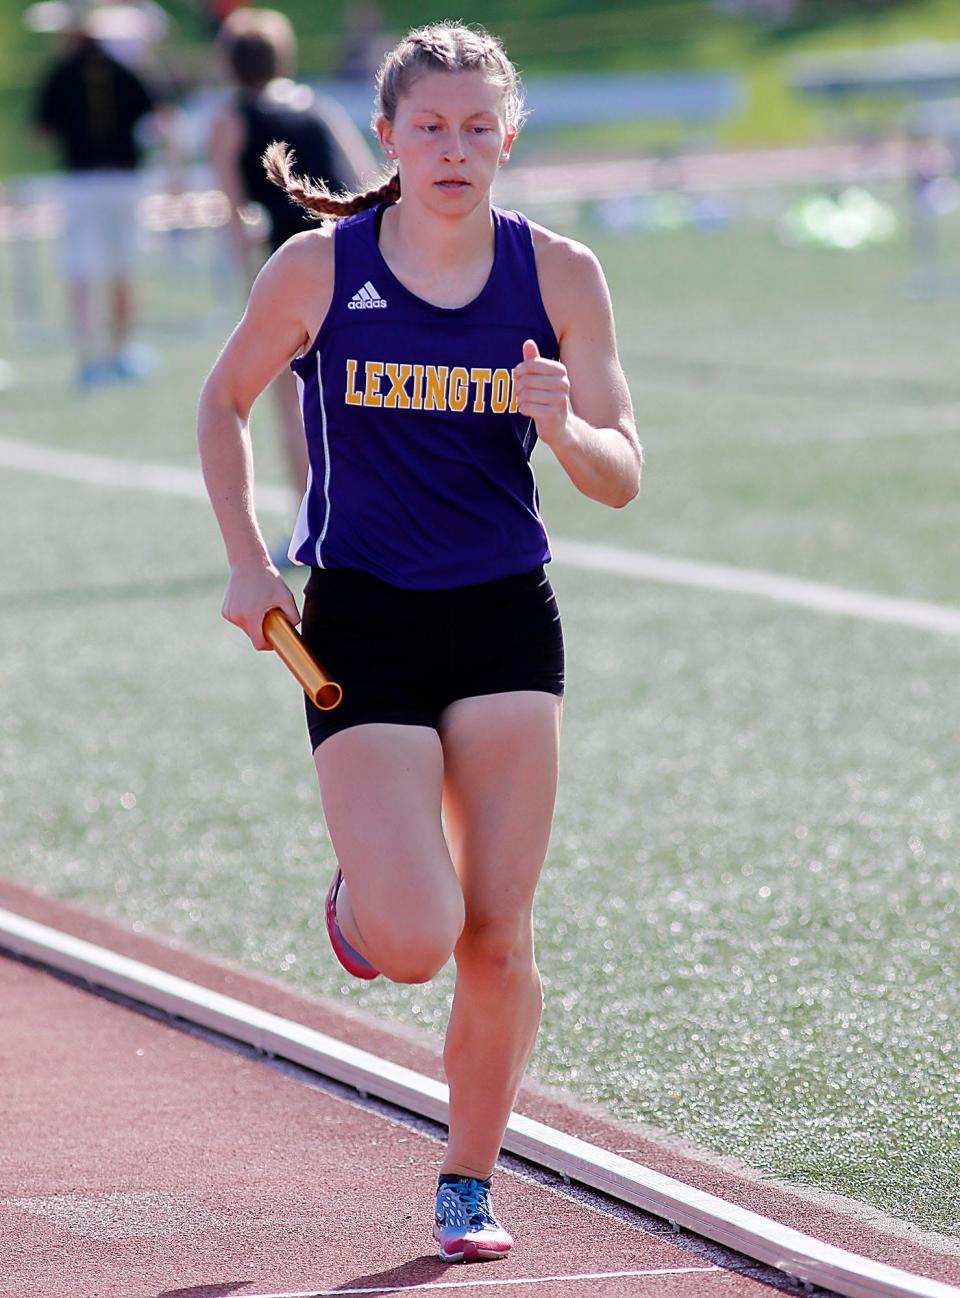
287	304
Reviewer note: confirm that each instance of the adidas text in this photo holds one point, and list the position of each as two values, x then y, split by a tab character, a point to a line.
366	298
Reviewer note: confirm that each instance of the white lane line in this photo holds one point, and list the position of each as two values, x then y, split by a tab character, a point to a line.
463	1284
814	595
100	470
108	471
166	479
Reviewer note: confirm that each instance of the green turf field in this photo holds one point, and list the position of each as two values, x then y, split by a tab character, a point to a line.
747	924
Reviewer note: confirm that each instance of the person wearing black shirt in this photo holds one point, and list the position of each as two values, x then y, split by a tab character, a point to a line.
259	49
90	106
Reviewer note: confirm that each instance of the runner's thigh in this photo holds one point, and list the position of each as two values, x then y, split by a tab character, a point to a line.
501	754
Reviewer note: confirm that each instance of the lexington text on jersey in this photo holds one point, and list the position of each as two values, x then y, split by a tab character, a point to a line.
431	387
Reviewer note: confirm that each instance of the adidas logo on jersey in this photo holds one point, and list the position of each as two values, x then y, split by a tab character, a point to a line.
366	298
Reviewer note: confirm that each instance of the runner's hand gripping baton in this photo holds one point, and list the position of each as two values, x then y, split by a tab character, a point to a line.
282	636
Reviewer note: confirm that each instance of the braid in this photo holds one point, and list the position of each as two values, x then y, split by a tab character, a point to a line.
314	196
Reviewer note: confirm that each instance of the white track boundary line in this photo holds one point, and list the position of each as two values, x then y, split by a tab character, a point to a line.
470	1284
814	595
111	471
175	480
789	1250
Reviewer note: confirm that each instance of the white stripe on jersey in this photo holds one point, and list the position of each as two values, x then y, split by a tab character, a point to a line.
326	465
301	529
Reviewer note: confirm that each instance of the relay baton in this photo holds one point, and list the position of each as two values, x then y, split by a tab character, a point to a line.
282	636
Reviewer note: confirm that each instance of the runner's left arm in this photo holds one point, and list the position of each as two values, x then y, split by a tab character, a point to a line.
581	403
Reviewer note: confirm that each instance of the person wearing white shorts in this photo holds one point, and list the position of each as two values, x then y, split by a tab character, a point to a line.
100	230
91	106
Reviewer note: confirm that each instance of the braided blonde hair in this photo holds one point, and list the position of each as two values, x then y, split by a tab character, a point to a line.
439	47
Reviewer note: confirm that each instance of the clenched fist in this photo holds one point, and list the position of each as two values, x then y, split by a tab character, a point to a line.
543	393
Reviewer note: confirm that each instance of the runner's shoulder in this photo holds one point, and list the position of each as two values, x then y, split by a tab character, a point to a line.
560	252
302	266
308	253
570	274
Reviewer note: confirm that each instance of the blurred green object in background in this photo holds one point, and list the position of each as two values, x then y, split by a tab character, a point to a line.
846	220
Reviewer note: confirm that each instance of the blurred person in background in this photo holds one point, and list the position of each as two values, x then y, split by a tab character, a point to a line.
134	32
90	105
259	52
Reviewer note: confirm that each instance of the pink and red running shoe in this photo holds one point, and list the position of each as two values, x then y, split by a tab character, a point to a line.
349	956
465	1226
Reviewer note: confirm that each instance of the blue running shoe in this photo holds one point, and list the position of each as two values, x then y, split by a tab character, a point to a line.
91	375
465	1227
133	364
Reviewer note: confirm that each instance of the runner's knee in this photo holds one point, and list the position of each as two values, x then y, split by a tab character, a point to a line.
499	946
413	957
413	947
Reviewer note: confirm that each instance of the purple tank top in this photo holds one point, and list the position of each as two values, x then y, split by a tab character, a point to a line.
420	467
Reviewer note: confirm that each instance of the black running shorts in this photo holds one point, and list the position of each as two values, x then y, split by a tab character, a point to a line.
402	656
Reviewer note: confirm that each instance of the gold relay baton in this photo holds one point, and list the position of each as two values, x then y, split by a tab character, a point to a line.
283	636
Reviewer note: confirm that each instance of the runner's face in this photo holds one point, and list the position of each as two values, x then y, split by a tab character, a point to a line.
449	137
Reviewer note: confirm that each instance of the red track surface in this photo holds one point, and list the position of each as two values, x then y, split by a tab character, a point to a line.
139	1162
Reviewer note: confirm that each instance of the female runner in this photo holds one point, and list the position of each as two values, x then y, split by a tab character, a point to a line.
436	339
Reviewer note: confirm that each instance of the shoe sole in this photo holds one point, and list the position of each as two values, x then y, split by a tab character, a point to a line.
471	1253
341	948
